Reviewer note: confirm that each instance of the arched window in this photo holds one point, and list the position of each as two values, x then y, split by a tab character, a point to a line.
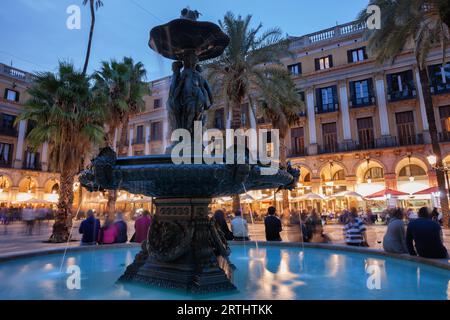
374	174
339	175
412	170
307	178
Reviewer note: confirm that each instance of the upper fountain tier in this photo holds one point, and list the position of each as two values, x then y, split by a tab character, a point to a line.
157	176
187	35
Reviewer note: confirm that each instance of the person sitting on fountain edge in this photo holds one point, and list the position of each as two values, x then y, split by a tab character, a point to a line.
221	224
273	225
424	237
122	236
89	228
239	227
141	227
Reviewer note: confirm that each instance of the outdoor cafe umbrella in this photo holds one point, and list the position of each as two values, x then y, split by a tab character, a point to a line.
246	198
34	201
384	193
347	194
426	192
312	196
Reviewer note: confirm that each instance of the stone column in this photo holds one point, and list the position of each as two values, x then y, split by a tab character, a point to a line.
345	112
147	140
382	105
44	157
351	182
20	142
390	180
130	143
432	179
311	122
423	111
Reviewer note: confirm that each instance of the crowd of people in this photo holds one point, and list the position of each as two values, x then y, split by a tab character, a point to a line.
408	232
417	234
114	229
31	217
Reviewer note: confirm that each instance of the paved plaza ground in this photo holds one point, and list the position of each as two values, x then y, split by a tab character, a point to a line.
14	240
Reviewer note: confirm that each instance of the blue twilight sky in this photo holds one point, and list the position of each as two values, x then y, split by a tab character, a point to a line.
34	36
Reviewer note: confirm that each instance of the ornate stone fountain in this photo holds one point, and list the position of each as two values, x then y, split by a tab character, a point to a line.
184	249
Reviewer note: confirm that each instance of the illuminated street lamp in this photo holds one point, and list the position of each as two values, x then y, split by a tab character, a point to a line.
432	160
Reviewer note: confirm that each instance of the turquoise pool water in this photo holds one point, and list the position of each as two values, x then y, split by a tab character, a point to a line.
264	273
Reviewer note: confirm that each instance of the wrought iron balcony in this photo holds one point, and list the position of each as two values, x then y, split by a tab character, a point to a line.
327	108
138	141
362	102
380	143
295	153
440	88
402	95
444	137
9	131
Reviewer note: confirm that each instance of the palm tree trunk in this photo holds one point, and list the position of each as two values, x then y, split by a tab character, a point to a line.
236	115
124	133
283	163
236	203
435	143
63	218
91	34
111	206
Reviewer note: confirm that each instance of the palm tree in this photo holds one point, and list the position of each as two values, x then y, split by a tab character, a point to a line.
93	6
121	88
422	22
68	119
282	109
242	72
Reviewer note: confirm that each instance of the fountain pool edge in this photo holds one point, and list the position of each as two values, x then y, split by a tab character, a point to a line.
441	263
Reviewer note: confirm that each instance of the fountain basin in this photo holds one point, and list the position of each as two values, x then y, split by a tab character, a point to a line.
266	271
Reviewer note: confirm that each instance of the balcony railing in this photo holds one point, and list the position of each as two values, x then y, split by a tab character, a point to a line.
138	141
9	131
380	143
5	164
327	34
362	102
15	73
402	95
440	88
36	166
444	137
326	108
297	153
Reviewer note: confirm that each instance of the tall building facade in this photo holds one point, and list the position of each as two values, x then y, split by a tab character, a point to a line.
24	172
147	132
365	127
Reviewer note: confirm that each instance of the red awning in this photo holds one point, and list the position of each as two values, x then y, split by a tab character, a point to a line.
428	191
385	192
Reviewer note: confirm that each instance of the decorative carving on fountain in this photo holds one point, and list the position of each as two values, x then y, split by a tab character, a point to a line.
169	240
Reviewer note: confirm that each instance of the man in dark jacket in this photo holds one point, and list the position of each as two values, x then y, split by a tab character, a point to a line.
89	228
121	225
273	226
424	237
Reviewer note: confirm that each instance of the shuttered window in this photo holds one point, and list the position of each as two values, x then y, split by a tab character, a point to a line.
298	141
366	133
406	128
329	135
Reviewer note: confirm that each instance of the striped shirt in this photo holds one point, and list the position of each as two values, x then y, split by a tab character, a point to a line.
353	232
